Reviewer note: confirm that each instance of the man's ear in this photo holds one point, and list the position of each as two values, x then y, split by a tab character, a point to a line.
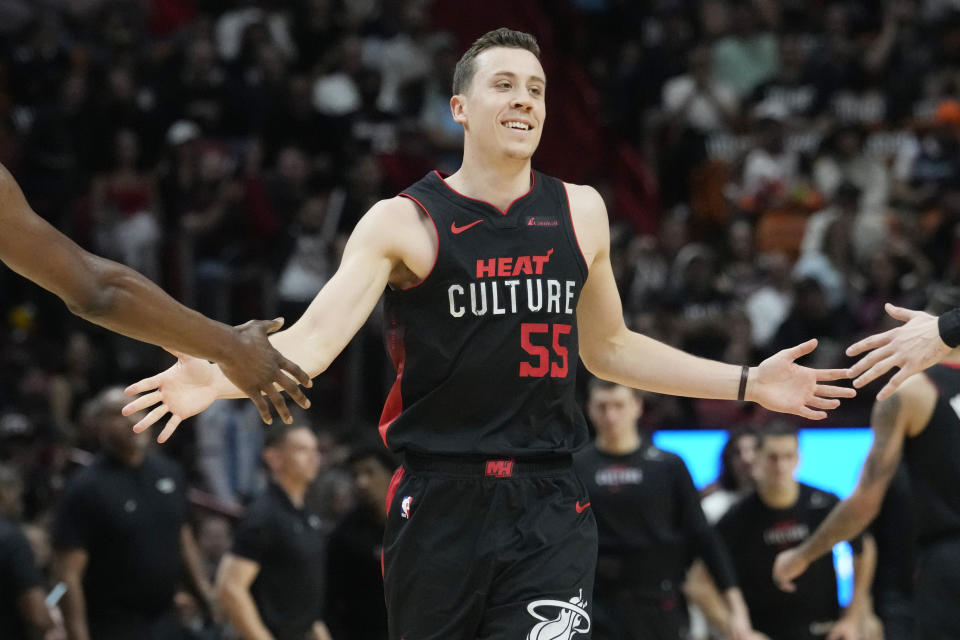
458	108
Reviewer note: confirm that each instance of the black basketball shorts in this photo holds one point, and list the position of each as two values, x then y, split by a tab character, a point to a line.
497	549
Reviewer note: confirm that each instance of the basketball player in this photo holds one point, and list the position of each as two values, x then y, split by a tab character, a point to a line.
922	341
498	279
920	423
122	300
650	527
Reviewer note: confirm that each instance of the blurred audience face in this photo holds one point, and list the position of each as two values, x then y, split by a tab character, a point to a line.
775	461
295	459
11	492
116	430
372	481
742	458
214	537
614	411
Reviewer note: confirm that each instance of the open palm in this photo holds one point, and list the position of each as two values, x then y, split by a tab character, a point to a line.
183	390
785	386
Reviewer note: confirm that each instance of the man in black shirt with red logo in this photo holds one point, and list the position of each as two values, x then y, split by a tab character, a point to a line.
780	515
920	424
650	527
498	277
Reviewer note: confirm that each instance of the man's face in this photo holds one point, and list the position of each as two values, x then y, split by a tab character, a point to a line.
116	430
297	456
746	450
504	108
372	480
614	411
775	461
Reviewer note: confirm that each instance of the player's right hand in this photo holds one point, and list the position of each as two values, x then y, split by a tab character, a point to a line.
183	390
258	370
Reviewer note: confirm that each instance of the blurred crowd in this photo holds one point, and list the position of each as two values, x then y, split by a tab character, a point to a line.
803	159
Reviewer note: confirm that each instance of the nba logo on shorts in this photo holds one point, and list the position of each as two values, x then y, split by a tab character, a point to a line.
405	506
571	618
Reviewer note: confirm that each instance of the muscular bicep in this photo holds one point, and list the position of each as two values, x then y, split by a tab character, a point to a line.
390	245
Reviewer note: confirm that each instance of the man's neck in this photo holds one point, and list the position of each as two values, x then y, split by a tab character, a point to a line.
294	490
497	183
618	445
779	498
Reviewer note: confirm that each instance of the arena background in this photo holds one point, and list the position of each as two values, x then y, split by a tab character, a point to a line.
774	171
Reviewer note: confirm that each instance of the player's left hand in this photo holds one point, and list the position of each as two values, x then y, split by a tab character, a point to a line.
780	384
788	566
846	628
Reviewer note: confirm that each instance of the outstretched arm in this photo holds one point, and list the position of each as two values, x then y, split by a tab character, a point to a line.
390	245
919	343
891	421
613	352
122	300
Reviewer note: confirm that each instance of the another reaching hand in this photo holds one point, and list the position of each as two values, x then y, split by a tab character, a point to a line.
257	369
780	384
913	346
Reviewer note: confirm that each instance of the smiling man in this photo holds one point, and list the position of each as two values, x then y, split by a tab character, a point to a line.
498	278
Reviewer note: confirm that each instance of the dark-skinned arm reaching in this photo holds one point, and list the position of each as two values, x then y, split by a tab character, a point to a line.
122	300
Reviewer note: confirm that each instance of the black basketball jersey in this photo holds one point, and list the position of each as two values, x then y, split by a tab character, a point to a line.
649	521
931	459
485	347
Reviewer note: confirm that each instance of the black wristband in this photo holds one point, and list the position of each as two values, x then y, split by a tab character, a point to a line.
949	326
744	374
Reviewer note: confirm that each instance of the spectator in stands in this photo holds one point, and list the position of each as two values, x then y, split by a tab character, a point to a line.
23	613
121	537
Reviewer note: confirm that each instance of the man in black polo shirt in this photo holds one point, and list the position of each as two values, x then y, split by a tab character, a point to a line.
271	584
355	606
23	613
121	537
651	528
781	514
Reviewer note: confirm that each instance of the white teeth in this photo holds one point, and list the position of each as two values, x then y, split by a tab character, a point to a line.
517	125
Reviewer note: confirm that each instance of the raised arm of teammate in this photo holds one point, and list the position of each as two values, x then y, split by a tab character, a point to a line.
396	244
921	342
122	300
892	420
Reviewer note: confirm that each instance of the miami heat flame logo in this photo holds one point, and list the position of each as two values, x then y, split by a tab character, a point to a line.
571	618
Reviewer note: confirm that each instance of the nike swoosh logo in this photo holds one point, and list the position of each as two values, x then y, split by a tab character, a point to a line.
580	507
455	229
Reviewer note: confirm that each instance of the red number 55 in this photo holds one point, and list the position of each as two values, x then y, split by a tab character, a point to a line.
543	365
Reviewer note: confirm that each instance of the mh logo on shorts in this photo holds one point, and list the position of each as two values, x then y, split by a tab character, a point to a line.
571	618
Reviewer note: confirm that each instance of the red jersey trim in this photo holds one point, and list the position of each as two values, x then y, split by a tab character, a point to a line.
436	254
393	406
573	228
952	365
503	212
